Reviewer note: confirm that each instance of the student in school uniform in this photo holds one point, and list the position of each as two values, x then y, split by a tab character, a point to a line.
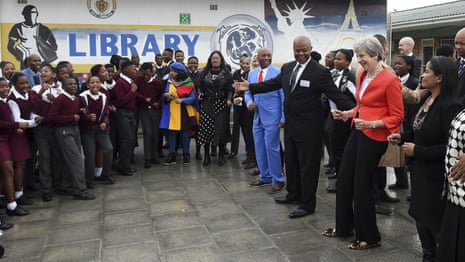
106	87
7	127
125	94
150	90
94	128
65	114
49	150
22	103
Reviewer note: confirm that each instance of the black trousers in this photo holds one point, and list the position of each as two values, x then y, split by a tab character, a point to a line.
243	120
302	158
150	119
355	203
126	137
340	135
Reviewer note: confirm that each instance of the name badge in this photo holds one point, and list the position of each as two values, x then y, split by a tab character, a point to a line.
305	83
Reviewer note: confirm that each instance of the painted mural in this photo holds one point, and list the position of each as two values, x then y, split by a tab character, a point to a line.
330	24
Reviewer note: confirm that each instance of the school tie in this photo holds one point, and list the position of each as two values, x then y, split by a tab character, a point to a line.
294	77
335	74
461	65
260	76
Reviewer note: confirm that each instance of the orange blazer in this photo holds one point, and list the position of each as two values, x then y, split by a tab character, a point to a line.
382	100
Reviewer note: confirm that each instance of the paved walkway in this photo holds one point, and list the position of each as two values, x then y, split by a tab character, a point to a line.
192	213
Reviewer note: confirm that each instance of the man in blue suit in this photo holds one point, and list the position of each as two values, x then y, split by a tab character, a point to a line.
268	118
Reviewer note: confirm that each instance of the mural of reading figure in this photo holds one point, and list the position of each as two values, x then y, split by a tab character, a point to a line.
30	37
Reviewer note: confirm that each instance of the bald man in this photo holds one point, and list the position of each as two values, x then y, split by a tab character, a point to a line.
406	45
267	120
303	81
459	43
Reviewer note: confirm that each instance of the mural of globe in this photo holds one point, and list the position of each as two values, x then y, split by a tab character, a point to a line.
241	34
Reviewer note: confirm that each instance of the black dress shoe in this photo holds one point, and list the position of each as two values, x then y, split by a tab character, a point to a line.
299	213
330	171
46	197
332	176
90	185
388	199
397	186
331	188
206	161
251	164
132	170
232	155
108	179
147	164
24	201
84	196
5	226
284	200
18	211
383	210
155	161
259	183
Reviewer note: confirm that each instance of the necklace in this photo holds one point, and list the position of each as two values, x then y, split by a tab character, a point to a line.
378	69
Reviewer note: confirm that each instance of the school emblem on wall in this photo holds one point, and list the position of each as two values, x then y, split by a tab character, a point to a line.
239	35
101	9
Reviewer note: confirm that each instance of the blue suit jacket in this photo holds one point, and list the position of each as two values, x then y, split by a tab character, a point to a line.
269	105
30	76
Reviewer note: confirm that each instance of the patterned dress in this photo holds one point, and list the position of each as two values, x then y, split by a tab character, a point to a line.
216	88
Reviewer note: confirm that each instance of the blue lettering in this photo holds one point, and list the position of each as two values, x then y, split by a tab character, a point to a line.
93	44
190	44
73	45
108	45
150	46
172	41
128	41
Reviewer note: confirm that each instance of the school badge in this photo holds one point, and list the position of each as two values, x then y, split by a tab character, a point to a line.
101	9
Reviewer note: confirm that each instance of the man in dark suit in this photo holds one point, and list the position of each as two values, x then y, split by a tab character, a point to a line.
303	81
459	43
406	45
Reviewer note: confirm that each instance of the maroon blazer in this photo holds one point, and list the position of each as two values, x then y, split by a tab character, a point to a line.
7	123
100	108
63	110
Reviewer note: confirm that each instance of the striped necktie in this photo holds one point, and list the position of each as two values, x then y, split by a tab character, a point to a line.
294	77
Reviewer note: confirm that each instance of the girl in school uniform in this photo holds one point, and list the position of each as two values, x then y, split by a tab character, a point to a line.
7	127
106	88
8	68
94	128
22	103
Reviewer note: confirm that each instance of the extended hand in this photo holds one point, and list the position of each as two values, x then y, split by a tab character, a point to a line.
457	172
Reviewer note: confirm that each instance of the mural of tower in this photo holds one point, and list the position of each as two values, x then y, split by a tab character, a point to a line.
350	18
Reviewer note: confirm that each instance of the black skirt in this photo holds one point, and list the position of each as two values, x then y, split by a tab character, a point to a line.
452	241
